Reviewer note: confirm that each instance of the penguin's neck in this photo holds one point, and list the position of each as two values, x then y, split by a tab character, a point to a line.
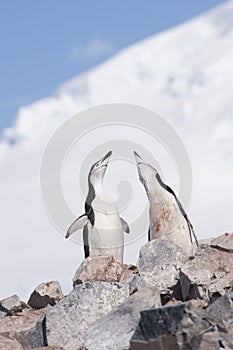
98	188
157	196
161	203
154	190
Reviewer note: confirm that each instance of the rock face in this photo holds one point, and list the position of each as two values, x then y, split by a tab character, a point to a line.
114	330
117	307
210	272
103	268
159	264
163	266
66	323
186	326
174	327
44	294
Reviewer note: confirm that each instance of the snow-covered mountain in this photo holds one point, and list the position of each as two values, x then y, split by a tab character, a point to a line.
186	74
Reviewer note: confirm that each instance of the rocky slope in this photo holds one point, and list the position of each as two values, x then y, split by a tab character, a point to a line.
166	302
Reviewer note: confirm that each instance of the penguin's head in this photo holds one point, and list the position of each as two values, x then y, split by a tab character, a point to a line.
147	174
98	169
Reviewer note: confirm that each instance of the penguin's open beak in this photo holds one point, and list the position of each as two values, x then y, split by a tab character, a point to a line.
104	161
141	168
139	159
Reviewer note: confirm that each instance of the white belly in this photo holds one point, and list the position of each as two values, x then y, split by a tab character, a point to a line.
167	221
106	236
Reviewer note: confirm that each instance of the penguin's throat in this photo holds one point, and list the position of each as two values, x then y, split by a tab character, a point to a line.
155	193
99	190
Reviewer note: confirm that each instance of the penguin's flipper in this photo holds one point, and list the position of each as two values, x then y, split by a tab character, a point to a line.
77	225
125	226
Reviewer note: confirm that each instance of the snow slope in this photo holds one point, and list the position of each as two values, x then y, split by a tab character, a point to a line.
186	74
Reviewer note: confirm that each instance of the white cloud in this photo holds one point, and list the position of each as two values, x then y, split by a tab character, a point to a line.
94	49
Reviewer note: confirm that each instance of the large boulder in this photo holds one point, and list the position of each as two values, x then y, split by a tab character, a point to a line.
114	330
103	268
159	265
48	293
66	323
174	327
210	273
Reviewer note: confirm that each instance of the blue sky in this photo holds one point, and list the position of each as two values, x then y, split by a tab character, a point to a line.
44	43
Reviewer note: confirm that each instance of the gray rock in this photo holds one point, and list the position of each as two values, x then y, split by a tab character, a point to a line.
220	314
44	294
18	329
66	323
12	305
159	264
210	272
114	330
174	327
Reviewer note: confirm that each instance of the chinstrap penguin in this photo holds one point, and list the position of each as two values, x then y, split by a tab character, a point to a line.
167	216
102	226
